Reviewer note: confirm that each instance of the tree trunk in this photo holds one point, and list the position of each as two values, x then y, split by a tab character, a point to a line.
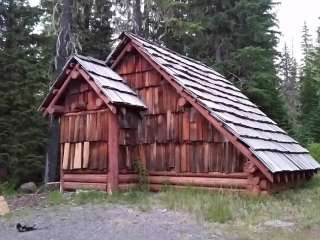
63	51
137	18
64	44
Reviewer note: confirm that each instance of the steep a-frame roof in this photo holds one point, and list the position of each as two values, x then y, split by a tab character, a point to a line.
108	82
275	149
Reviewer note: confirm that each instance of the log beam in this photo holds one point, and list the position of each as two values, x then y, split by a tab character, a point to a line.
209	175
82	185
188	181
159	187
87	178
113	150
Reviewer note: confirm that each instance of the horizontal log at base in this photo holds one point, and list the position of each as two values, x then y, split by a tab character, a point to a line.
82	185
127	186
189	181
160	187
209	175
199	181
87	178
85	171
128	178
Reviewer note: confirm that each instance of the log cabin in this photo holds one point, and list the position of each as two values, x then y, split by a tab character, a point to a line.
185	123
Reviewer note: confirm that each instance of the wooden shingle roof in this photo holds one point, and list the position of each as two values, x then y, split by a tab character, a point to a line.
113	86
263	137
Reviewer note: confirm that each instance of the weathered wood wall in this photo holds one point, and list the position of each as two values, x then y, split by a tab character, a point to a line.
171	135
83	129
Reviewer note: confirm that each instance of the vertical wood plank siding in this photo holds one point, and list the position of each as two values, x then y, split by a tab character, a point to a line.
171	135
83	129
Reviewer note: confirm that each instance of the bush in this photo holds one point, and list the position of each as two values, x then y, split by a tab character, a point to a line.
314	149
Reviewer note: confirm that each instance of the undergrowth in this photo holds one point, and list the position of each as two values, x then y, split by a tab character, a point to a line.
7	189
301	204
238	214
134	197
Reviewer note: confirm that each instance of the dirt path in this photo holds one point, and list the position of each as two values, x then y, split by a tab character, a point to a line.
98	222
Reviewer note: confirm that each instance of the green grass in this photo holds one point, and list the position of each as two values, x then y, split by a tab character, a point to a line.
211	207
237	215
243	215
134	197
89	196
7	189
55	198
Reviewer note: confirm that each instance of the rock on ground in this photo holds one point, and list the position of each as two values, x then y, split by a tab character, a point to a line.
279	224
4	209
29	187
98	222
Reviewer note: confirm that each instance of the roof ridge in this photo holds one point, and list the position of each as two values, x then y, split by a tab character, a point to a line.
90	59
129	34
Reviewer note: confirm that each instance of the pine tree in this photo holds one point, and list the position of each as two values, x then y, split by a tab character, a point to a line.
92	26
312	118
235	37
144	18
90	30
22	86
306	43
289	88
308	87
137	17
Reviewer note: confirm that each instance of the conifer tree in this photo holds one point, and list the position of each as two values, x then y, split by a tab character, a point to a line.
289	84
92	27
22	86
90	30
144	18
308	87
235	37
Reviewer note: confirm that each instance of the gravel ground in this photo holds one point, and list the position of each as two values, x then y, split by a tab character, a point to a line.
116	222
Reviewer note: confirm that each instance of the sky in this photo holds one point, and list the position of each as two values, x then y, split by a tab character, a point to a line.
291	15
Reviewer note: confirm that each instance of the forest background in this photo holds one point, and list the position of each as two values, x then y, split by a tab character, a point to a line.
239	38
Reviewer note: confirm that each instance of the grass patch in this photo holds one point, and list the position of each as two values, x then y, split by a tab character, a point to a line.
301	205
234	214
55	198
89	196
209	206
7	189
133	197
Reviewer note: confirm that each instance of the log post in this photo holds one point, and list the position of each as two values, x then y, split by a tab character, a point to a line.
113	149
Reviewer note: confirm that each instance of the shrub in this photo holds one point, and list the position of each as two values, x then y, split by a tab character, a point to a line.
142	175
314	149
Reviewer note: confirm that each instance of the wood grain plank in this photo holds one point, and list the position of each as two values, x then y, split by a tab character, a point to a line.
77	156
66	153
86	154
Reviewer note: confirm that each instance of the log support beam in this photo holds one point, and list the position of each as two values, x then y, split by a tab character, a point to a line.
113	149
